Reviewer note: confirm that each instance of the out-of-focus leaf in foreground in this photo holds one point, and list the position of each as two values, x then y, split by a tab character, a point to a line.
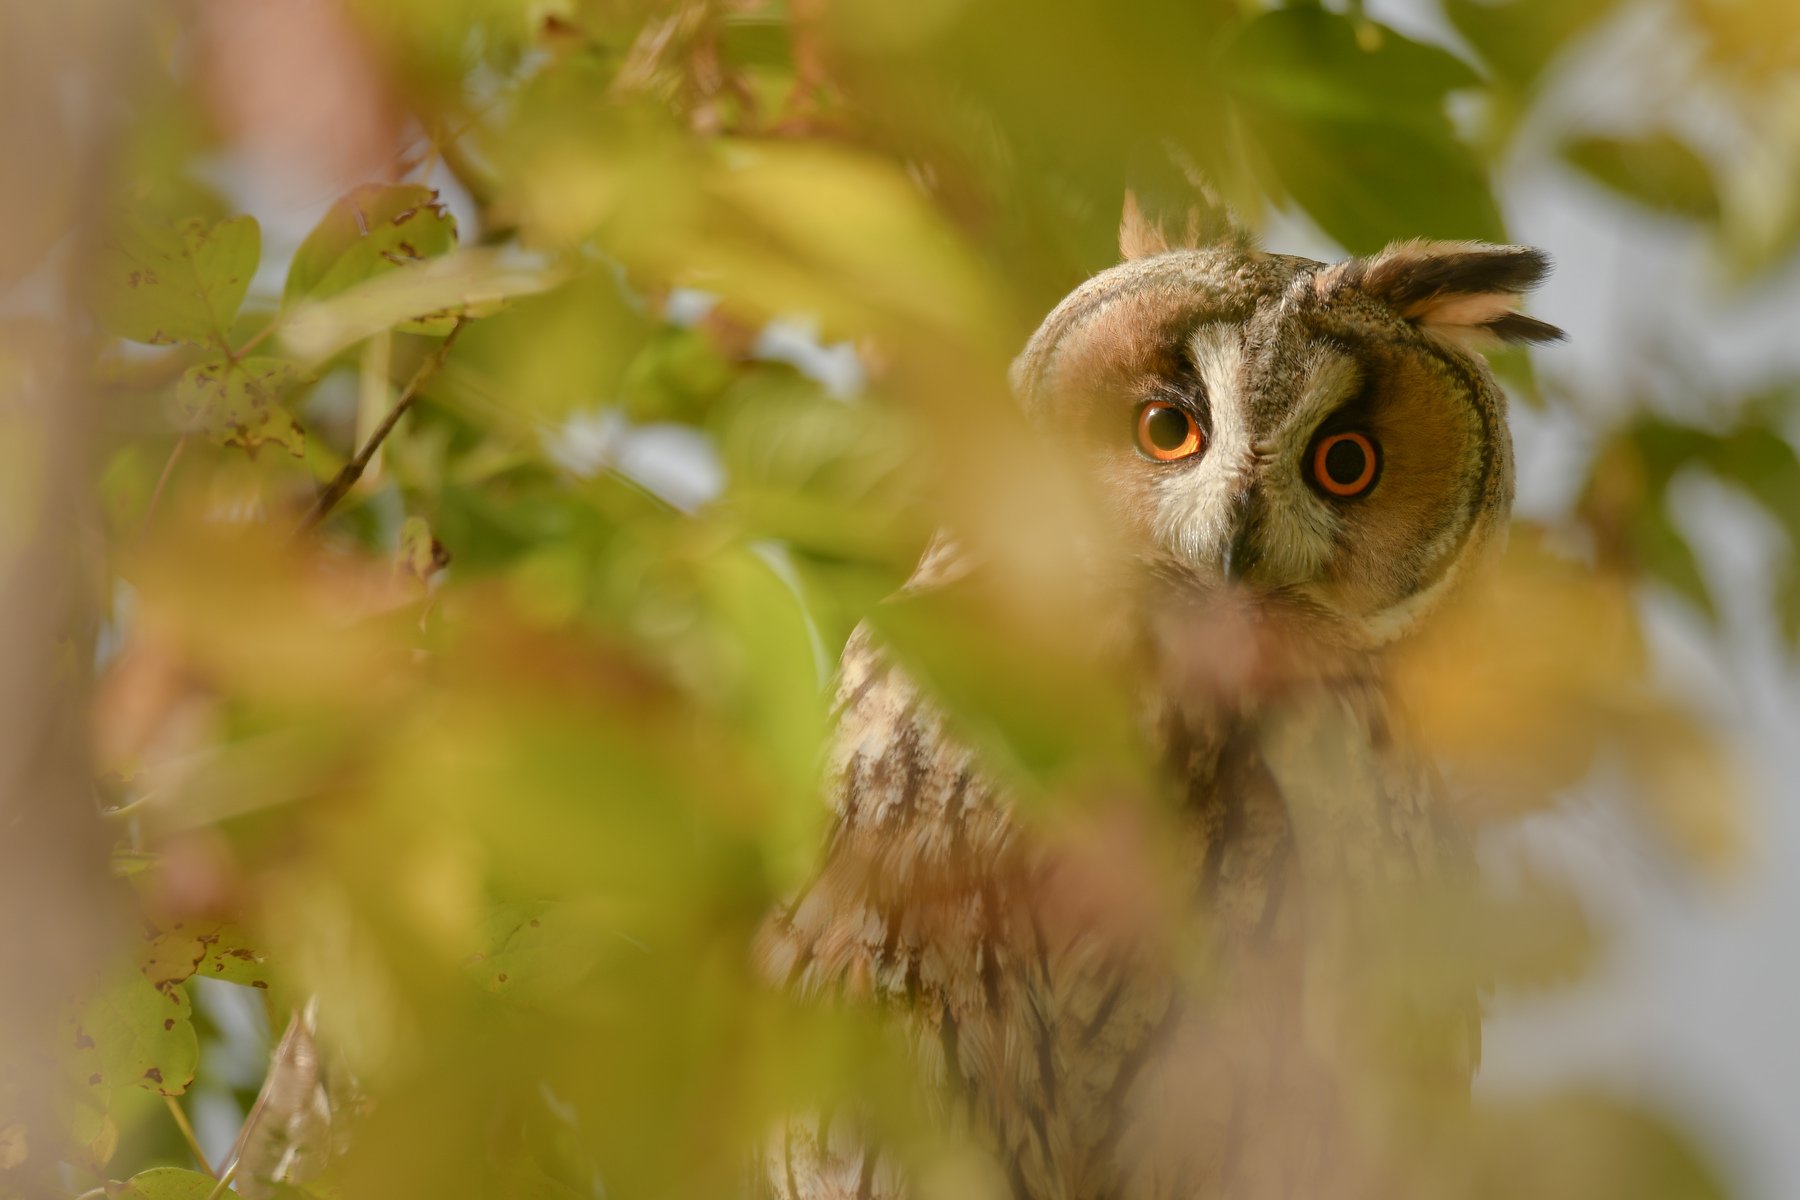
1568	638
1658	170
472	797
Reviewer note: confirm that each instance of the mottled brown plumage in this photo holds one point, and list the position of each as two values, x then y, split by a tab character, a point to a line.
1266	1033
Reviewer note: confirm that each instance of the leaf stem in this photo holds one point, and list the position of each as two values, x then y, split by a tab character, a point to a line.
344	480
218	1189
187	1133
162	481
257	338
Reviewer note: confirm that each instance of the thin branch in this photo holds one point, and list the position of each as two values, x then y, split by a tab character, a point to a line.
344	480
187	1133
218	1189
256	339
162	481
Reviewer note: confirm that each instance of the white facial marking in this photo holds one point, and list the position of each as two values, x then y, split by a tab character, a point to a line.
1296	528
1192	506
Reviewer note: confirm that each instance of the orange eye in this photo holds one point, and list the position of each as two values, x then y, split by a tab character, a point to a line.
1344	464
1168	432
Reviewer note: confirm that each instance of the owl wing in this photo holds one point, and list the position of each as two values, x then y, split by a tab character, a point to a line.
916	837
896	910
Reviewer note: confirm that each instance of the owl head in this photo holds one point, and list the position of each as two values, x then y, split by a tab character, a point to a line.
1324	437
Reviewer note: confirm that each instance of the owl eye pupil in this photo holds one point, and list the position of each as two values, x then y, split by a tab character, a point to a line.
1167	432
1345	462
1167	428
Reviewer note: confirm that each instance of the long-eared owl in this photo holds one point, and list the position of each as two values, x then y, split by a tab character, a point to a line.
1302	459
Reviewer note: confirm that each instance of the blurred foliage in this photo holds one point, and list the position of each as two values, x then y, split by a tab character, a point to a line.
475	794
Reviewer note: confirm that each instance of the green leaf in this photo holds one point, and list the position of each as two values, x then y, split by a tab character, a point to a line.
1350	119
165	1183
371	231
1658	170
562	351
1310	60
239	403
136	1032
426	299
1762	462
182	282
1368	183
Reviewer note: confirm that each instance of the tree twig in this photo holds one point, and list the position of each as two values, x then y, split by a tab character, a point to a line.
162	481
344	480
218	1188
187	1134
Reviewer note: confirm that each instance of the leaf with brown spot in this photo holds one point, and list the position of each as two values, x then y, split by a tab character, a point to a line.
229	955
135	1036
170	957
371	231
177	282
241	403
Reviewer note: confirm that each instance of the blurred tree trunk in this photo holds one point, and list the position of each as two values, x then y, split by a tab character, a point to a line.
60	83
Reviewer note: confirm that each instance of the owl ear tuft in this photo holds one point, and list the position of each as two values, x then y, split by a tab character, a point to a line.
1208	222
1467	292
1139	236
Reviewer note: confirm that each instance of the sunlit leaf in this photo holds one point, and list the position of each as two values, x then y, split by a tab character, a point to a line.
241	402
426	298
372	231
180	282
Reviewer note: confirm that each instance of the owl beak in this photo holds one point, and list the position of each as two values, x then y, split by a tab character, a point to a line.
1241	556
